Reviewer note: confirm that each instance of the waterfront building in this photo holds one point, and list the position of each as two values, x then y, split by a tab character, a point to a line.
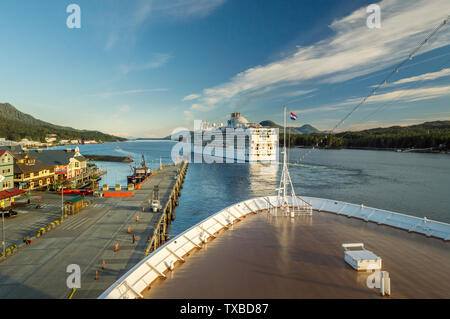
68	163
50	138
89	141
27	143
6	170
7	190
31	174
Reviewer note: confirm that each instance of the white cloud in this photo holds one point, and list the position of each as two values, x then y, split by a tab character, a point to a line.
128	92
191	97
124	25
298	93
324	108
398	96
157	61
186	8
411	95
178	9
143	10
353	50
199	107
125	108
423	77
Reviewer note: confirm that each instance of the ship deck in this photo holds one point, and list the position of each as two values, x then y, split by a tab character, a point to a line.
267	257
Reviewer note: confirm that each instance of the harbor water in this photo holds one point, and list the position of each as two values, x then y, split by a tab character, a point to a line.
411	183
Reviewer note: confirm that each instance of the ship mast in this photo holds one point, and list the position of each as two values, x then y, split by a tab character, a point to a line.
287	201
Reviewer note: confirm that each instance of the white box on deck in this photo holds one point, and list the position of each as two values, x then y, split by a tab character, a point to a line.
361	259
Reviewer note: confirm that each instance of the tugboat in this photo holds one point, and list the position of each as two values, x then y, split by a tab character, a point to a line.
139	173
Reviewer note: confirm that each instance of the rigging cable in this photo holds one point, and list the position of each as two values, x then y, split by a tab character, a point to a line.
412	86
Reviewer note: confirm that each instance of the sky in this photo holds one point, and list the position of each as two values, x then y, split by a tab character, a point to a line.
142	68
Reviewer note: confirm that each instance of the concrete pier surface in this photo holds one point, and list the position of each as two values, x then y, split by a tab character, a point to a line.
88	239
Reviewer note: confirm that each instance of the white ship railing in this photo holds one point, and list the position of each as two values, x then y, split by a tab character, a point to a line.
155	265
424	226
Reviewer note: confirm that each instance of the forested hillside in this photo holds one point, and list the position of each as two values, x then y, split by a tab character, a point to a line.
16	125
430	134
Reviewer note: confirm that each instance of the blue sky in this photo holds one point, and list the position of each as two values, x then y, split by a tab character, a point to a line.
143	68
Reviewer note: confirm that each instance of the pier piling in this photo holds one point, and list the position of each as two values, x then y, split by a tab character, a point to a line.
168	213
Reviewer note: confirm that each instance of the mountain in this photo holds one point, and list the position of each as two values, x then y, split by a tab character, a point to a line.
415	128
16	125
305	129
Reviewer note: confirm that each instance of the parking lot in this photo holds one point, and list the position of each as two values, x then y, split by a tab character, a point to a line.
30	219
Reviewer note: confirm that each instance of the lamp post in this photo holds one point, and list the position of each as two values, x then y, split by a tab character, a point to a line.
3	233
2	204
62	201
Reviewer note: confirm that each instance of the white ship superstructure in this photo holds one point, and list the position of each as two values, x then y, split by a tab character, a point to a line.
240	140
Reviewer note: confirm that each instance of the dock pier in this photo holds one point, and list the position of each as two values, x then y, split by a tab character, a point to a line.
105	239
168	213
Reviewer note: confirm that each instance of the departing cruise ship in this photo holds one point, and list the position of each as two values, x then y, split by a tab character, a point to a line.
237	140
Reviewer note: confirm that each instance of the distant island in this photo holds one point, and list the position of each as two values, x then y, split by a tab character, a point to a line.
16	126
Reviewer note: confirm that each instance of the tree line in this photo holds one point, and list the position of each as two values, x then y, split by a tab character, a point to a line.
418	136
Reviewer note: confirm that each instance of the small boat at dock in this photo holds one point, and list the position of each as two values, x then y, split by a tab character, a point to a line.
139	173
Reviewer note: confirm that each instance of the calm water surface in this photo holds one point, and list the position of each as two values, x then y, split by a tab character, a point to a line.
411	183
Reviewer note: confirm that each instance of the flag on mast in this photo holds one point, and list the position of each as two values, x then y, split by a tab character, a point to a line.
293	116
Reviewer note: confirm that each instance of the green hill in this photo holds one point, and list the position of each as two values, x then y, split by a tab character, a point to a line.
16	125
305	129
435	135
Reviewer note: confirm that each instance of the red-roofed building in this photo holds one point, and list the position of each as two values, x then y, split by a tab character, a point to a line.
10	193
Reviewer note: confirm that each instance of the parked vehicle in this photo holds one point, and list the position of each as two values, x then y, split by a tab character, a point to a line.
10	213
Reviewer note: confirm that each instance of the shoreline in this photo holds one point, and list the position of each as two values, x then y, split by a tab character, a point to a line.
398	150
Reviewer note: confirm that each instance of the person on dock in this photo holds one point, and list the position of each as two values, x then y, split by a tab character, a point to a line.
134	238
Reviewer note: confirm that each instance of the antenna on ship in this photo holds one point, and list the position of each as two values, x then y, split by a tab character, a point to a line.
288	204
